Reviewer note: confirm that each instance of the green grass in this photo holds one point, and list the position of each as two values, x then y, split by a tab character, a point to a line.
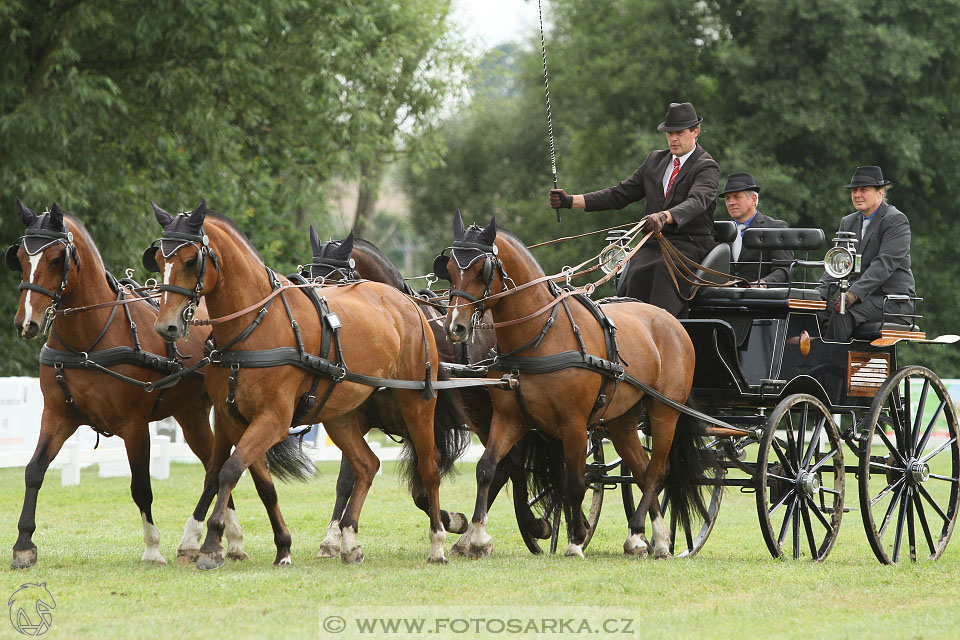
90	542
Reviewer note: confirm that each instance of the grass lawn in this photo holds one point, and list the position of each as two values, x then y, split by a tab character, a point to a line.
90	542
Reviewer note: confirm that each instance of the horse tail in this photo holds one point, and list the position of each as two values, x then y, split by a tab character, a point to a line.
688	462
451	435
287	461
542	458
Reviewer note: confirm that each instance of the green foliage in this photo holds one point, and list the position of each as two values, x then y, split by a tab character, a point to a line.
798	93
253	105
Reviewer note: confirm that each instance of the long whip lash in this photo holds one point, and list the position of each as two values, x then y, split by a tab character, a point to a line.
546	87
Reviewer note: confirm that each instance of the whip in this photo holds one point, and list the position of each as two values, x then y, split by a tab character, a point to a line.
546	87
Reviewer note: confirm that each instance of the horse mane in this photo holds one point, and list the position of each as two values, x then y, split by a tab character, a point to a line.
235	231
397	278
82	231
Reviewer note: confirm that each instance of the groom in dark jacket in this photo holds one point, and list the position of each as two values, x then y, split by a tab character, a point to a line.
884	234
741	195
679	186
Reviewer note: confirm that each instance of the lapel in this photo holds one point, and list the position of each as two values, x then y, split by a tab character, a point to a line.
659	170
872	228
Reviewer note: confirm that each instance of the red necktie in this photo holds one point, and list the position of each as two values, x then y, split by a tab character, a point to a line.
673	176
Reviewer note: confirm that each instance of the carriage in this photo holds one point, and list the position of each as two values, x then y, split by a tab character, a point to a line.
799	421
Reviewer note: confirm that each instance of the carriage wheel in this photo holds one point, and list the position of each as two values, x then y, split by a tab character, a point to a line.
544	504
799	479
695	534
910	467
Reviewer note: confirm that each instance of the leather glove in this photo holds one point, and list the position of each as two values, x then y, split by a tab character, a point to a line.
851	298
654	222
560	200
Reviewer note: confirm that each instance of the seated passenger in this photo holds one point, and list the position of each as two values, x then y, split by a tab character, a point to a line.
741	195
884	234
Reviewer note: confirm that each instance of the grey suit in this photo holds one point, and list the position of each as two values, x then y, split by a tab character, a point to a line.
692	201
749	266
885	266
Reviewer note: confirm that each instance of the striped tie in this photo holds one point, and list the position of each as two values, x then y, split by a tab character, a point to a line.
673	176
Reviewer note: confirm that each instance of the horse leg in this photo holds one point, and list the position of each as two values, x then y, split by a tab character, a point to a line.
623	435
260	435
268	496
330	546
348	436
54	431
189	547
574	440
137	442
504	433
663	423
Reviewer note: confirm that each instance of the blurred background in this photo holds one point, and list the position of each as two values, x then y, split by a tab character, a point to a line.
384	116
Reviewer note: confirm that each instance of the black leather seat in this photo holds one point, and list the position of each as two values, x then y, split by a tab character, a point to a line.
724	232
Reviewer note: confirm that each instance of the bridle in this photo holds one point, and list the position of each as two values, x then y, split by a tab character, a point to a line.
471	252
170	243
329	268
45	238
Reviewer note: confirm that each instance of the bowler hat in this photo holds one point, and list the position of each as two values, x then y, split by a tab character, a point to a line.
867	177
739	182
680	116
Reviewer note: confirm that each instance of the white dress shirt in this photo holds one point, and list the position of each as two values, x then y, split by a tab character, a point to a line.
669	171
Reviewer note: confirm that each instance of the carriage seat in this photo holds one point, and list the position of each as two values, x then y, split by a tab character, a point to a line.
871	330
765	239
724	232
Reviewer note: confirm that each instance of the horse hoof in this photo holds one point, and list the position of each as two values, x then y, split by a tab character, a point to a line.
437	560
328	551
153	558
354	556
208	561
285	561
187	556
662	554
24	558
458	523
238	555
637	548
478	551
545	530
573	551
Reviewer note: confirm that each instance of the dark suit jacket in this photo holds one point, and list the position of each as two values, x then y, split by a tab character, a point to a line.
747	266
885	262
692	199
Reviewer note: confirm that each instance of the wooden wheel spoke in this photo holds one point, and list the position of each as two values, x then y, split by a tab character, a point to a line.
824	460
947	478
775	445
875	466
943	446
890	508
826	524
808	529
918	504
833	492
929	430
907	438
911	528
885	491
801	436
933	503
919	417
781	478
901	517
814	442
793	452
893	449
786	521
783	499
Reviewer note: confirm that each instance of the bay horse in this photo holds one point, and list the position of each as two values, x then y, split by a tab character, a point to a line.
92	363
352	257
575	373
298	365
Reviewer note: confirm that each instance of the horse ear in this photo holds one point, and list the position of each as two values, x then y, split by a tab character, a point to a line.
343	251
489	234
440	267
458	229
149	260
162	216
315	244
56	217
197	215
27	217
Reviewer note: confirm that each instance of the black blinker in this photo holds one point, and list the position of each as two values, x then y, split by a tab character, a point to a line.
440	267
11	256
487	269
149	259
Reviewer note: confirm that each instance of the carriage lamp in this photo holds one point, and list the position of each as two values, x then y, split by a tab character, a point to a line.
616	250
841	261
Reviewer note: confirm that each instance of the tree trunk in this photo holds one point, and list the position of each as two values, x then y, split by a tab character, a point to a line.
371	174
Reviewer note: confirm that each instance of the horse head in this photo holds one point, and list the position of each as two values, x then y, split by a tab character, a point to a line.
184	256
331	260
46	256
473	269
